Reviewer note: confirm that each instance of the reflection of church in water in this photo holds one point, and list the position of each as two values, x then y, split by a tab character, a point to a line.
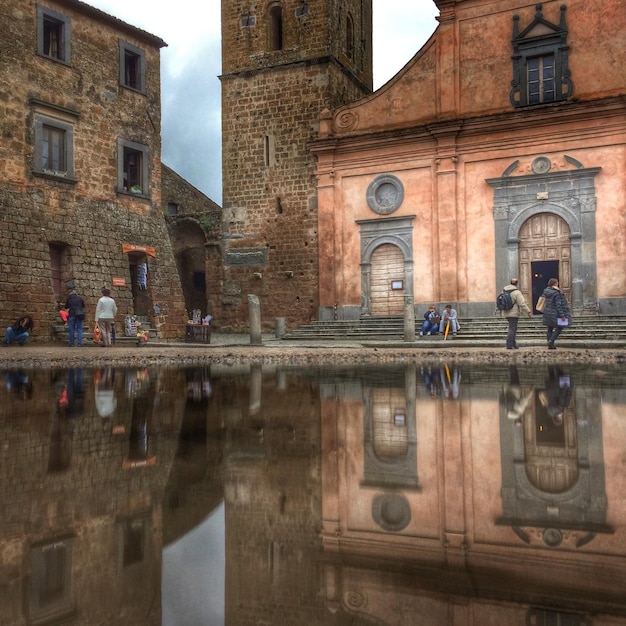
552	464
494	496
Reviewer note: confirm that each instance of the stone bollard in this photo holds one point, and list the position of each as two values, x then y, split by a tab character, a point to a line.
409	319
281	327
254	311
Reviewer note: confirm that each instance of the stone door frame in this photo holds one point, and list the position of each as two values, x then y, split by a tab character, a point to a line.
569	194
397	231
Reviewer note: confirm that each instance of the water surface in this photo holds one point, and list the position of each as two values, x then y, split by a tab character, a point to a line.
313	495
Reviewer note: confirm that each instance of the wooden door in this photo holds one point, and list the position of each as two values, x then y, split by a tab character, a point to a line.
387	281
545	237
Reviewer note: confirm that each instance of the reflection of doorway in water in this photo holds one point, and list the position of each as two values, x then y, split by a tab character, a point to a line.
542	272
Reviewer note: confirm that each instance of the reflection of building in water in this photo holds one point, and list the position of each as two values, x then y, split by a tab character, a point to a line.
82	544
194	488
441	553
390	437
271	478
553	467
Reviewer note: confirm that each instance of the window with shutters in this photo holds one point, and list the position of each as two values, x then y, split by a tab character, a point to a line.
540	61
53	34
132	66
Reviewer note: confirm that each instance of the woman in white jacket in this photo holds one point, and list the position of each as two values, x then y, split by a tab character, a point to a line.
105	315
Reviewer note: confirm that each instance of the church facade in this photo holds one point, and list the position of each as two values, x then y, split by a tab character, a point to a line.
499	150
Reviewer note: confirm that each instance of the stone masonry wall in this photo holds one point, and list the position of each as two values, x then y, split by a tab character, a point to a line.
194	224
84	215
271	106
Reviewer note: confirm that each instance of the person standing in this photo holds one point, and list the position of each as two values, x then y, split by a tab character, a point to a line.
513	314
557	314
75	306
19	331
106	310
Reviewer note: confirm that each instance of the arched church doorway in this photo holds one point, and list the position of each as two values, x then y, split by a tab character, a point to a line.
387	280
544	252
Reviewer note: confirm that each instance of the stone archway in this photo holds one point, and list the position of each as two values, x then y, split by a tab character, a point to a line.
386	244
544	237
189	247
566	193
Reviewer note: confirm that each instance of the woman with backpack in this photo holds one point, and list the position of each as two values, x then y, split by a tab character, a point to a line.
556	314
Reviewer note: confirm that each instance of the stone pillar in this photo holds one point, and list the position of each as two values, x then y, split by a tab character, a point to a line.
254	312
281	327
449	255
409	319
256	385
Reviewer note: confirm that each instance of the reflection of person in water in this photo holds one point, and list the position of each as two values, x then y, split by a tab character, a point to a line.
551	404
106	402
19	382
75	393
516	399
450	381
431	381
558	393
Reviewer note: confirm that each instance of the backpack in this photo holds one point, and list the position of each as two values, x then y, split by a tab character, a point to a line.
504	302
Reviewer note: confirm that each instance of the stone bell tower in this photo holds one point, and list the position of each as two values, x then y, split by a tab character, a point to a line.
283	62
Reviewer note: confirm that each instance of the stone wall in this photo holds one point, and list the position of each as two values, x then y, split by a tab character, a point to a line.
194	224
66	225
271	105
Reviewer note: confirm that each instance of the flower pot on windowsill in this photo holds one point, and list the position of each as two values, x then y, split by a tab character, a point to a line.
135	189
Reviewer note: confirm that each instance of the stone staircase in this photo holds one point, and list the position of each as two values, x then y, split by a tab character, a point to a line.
60	333
587	331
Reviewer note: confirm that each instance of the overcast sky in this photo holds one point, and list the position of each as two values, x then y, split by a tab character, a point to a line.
190	65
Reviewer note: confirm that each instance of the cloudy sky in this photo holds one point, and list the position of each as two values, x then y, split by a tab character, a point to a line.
190	65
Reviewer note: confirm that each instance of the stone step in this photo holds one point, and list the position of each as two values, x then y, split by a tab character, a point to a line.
60	333
585	328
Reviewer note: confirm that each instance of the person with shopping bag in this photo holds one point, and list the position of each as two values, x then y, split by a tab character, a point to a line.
557	315
106	310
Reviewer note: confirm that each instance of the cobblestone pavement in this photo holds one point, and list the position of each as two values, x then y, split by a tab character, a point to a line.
234	349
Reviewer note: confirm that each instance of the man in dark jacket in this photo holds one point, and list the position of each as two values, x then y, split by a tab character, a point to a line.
556	314
76	314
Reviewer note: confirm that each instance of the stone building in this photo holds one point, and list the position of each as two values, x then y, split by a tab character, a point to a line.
195	229
497	151
282	62
80	165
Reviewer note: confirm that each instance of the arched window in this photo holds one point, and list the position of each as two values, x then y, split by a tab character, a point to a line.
276	27
350	37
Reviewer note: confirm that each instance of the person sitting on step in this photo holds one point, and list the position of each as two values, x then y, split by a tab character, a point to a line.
449	315
430	326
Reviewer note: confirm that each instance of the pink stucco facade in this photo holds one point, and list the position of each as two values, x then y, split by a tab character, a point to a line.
486	187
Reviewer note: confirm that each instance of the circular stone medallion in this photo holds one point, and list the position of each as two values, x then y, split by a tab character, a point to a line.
385	194
541	165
